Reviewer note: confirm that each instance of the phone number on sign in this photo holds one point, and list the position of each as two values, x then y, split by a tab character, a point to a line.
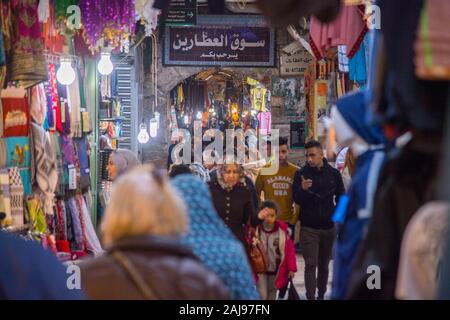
234	310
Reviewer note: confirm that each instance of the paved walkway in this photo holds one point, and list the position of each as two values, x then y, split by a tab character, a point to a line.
299	280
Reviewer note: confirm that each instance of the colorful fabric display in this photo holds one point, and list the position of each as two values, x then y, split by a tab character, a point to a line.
36	215
38	107
76	238
1	116
68	150
15	117
17	152
61	221
2	153
92	242
5	197
46	166
74	104
83	161
56	144
16	194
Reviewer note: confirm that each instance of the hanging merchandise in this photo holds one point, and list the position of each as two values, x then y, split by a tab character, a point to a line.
347	29
258	95
26	62
357	66
15	113
108	21
265	122
5	197
16	195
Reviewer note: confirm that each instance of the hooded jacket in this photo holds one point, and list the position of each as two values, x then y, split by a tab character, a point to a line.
356	209
288	259
319	202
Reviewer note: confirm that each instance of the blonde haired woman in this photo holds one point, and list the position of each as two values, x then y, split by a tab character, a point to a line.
144	258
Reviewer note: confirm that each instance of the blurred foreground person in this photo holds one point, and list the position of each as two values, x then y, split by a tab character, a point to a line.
28	272
212	241
145	259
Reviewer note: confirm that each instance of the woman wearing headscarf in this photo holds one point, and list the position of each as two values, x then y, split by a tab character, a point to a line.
120	161
212	241
234	200
145	258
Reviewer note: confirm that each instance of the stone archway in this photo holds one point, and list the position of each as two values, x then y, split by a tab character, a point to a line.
167	79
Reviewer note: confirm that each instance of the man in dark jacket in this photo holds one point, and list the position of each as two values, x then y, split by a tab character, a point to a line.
317	188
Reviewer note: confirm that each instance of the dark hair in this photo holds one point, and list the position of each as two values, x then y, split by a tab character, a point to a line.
271	205
282	141
178	169
313	144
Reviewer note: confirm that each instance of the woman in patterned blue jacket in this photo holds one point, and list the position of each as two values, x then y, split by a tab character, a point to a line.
212	241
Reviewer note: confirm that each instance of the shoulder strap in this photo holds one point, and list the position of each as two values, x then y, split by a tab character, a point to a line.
134	274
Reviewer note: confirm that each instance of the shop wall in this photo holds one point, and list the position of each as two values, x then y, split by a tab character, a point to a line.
155	150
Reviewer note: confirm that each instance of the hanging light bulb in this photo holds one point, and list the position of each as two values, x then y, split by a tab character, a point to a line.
186	119
211	110
157	117
199	115
153	127
143	136
65	74
105	66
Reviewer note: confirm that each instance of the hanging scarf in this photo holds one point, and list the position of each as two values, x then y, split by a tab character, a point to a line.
27	62
212	241
5	196
16	194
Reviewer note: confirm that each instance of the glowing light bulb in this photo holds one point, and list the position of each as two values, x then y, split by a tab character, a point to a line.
186	119
143	136
211	110
199	115
157	117
105	66
65	74
153	127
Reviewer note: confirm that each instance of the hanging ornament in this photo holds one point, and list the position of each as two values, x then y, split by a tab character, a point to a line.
65	74
143	136
107	21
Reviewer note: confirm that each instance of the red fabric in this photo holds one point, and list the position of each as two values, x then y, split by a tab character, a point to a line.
16	117
289	262
63	246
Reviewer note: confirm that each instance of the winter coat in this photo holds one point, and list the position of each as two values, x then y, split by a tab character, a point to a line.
235	206
211	240
28	272
288	259
169	269
319	202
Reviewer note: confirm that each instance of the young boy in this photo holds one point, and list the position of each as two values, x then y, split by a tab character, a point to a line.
279	250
